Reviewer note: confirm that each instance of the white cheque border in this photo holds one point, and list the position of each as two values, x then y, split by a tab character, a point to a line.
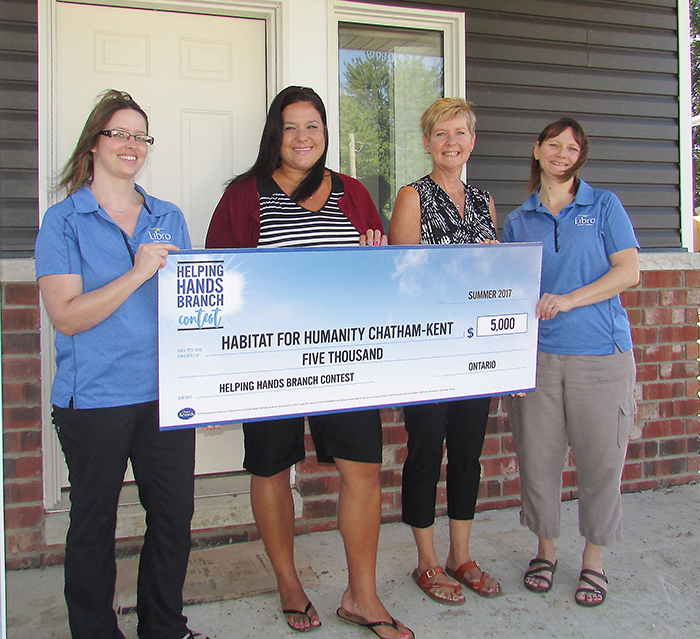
252	334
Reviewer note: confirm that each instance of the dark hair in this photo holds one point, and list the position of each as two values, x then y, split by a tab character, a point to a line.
552	131
271	142
79	168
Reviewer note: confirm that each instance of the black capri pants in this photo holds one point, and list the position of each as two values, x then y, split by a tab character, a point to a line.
462	424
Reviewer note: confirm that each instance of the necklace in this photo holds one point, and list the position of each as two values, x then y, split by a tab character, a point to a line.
454	201
555	207
109	208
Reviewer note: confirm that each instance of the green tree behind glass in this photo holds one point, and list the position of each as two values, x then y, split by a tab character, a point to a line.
382	96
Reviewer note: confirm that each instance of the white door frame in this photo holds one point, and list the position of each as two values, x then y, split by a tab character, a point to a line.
450	23
269	10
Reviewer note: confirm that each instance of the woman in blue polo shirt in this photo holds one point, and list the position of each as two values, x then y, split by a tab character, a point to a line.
585	365
97	254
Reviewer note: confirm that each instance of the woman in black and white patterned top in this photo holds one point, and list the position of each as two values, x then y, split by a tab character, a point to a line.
441	209
443	221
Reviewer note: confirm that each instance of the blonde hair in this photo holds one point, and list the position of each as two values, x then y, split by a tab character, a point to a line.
446	109
80	167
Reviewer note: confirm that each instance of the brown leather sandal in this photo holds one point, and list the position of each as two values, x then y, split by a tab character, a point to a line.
595	589
537	568
476	586
428	586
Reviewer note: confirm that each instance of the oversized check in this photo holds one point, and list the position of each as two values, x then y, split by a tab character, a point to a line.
250	334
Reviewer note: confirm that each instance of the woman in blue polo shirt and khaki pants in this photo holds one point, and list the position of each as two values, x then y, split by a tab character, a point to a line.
585	365
97	253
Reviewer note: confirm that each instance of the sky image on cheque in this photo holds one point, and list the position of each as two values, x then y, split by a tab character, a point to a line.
251	334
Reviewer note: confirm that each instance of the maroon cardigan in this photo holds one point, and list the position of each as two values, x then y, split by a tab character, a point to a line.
236	219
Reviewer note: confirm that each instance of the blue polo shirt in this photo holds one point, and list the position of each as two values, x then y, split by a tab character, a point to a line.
577	245
114	363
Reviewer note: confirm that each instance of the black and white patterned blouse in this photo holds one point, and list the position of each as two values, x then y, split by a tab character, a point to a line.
441	222
283	222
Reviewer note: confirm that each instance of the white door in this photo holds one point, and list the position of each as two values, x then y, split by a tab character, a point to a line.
202	81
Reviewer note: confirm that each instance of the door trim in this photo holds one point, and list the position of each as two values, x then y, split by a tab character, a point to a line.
450	23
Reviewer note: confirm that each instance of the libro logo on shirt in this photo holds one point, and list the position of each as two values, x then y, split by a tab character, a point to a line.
159	235
584	220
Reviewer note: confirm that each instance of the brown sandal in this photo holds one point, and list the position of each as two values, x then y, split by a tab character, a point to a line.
595	589
427	585
537	567
476	586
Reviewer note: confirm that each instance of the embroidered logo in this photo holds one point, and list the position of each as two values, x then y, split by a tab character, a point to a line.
159	235
584	220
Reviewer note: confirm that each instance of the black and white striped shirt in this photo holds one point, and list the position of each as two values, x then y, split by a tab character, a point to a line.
284	223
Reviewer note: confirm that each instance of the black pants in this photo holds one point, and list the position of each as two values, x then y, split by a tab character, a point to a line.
97	444
462	424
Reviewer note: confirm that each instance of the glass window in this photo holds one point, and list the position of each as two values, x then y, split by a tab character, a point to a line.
387	78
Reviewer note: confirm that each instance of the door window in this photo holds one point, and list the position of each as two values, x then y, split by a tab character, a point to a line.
387	78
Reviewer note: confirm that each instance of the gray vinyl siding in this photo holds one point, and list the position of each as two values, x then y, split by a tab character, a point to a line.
18	127
611	64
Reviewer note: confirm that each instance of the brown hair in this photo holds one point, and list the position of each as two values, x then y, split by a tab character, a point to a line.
446	109
552	131
79	168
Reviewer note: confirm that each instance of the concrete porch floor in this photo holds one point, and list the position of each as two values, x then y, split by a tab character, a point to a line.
654	584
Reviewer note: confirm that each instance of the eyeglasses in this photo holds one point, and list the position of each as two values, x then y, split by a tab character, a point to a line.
123	136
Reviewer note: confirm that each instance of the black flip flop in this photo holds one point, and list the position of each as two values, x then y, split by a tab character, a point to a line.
348	617
304	613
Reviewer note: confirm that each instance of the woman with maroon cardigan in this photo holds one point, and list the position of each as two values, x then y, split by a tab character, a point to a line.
290	199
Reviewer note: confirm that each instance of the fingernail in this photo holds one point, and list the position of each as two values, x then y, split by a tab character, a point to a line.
376	242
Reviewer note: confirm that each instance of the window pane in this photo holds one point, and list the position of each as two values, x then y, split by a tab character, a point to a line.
388	77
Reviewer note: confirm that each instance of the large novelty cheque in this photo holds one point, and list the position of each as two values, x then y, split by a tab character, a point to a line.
250	334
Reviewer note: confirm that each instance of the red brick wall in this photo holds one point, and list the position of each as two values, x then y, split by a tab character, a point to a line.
664	450
21	396
663	311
